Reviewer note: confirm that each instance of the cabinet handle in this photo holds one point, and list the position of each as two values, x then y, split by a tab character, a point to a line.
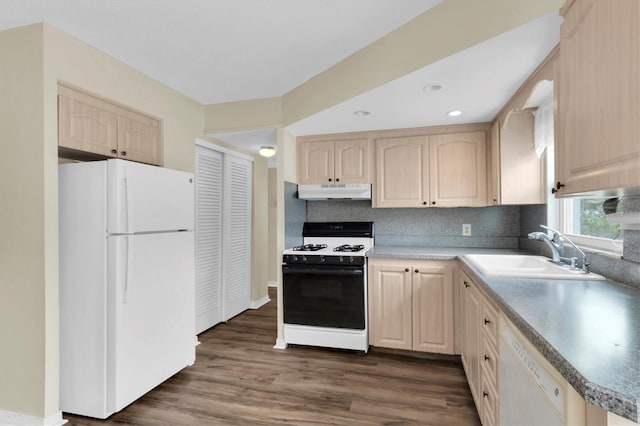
114	151
406	269
123	153
486	321
466	284
487	358
557	188
485	394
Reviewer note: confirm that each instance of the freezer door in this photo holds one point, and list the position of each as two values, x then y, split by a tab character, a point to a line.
152	312
144	198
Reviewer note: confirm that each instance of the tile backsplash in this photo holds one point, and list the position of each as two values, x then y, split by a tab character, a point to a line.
496	227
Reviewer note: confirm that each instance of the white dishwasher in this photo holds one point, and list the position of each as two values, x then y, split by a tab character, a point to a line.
529	395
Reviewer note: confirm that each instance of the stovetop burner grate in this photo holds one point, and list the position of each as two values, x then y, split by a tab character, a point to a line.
310	247
349	248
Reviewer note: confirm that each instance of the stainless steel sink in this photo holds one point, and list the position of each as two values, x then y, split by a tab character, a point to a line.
524	266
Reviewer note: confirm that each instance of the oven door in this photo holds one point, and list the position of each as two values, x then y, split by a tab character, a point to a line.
324	296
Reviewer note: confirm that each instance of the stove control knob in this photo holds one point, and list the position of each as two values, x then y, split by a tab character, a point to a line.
294	258
351	259
322	259
341	259
304	258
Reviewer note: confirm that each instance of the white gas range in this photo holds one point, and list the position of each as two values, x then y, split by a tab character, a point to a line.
325	286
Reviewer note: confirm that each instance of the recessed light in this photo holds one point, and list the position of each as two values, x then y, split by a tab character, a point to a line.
361	113
454	113
431	88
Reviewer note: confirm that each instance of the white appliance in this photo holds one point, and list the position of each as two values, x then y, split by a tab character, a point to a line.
127	315
529	395
324	286
349	191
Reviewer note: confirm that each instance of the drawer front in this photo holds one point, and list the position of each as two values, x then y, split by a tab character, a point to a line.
489	401
489	360
490	322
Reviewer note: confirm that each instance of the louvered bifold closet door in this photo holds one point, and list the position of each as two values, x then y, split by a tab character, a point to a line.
237	236
208	236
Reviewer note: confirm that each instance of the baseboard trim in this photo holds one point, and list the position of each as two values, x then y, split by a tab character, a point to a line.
280	344
272	284
18	419
255	304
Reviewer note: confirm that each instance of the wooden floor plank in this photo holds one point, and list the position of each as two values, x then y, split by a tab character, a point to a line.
239	379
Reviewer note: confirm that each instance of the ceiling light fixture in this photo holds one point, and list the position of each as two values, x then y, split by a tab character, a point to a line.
361	113
267	151
454	113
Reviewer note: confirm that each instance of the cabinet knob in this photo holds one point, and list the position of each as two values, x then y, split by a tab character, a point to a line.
406	269
123	153
114	151
424	203
487	358
329	179
485	394
486	321
466	284
433	202
416	271
337	179
495	200
557	188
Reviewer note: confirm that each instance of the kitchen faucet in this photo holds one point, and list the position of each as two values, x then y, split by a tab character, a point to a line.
556	243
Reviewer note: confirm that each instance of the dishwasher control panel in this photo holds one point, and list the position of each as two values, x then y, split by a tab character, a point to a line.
537	373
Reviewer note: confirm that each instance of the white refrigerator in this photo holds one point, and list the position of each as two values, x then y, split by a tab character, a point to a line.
127	308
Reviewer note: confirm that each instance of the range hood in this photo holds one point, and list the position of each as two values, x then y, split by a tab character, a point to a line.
349	191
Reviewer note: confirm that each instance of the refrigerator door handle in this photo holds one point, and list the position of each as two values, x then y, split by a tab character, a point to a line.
127	266
129	207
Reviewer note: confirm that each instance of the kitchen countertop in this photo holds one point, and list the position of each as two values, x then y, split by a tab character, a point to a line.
588	330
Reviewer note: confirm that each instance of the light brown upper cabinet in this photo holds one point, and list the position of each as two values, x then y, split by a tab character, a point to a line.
457	170
516	172
402	172
447	170
333	161
89	126
598	98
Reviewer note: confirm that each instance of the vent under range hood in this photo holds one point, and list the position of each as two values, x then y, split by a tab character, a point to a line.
349	191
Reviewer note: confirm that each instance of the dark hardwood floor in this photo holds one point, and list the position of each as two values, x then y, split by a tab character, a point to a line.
239	379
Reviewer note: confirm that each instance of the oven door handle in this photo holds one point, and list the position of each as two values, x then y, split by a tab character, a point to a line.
287	270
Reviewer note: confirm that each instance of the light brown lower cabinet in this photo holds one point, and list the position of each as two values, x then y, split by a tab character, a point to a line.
480	356
411	304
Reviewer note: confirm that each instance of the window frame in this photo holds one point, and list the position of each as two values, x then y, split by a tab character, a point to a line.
565	219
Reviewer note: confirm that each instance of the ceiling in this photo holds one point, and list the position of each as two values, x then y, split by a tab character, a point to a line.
231	50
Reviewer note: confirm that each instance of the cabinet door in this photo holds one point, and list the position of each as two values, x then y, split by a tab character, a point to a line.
494	165
315	162
84	125
138	138
433	307
457	170
351	161
598	98
402	177
521	170
471	352
390	305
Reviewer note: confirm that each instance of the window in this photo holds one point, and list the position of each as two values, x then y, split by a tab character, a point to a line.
584	221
